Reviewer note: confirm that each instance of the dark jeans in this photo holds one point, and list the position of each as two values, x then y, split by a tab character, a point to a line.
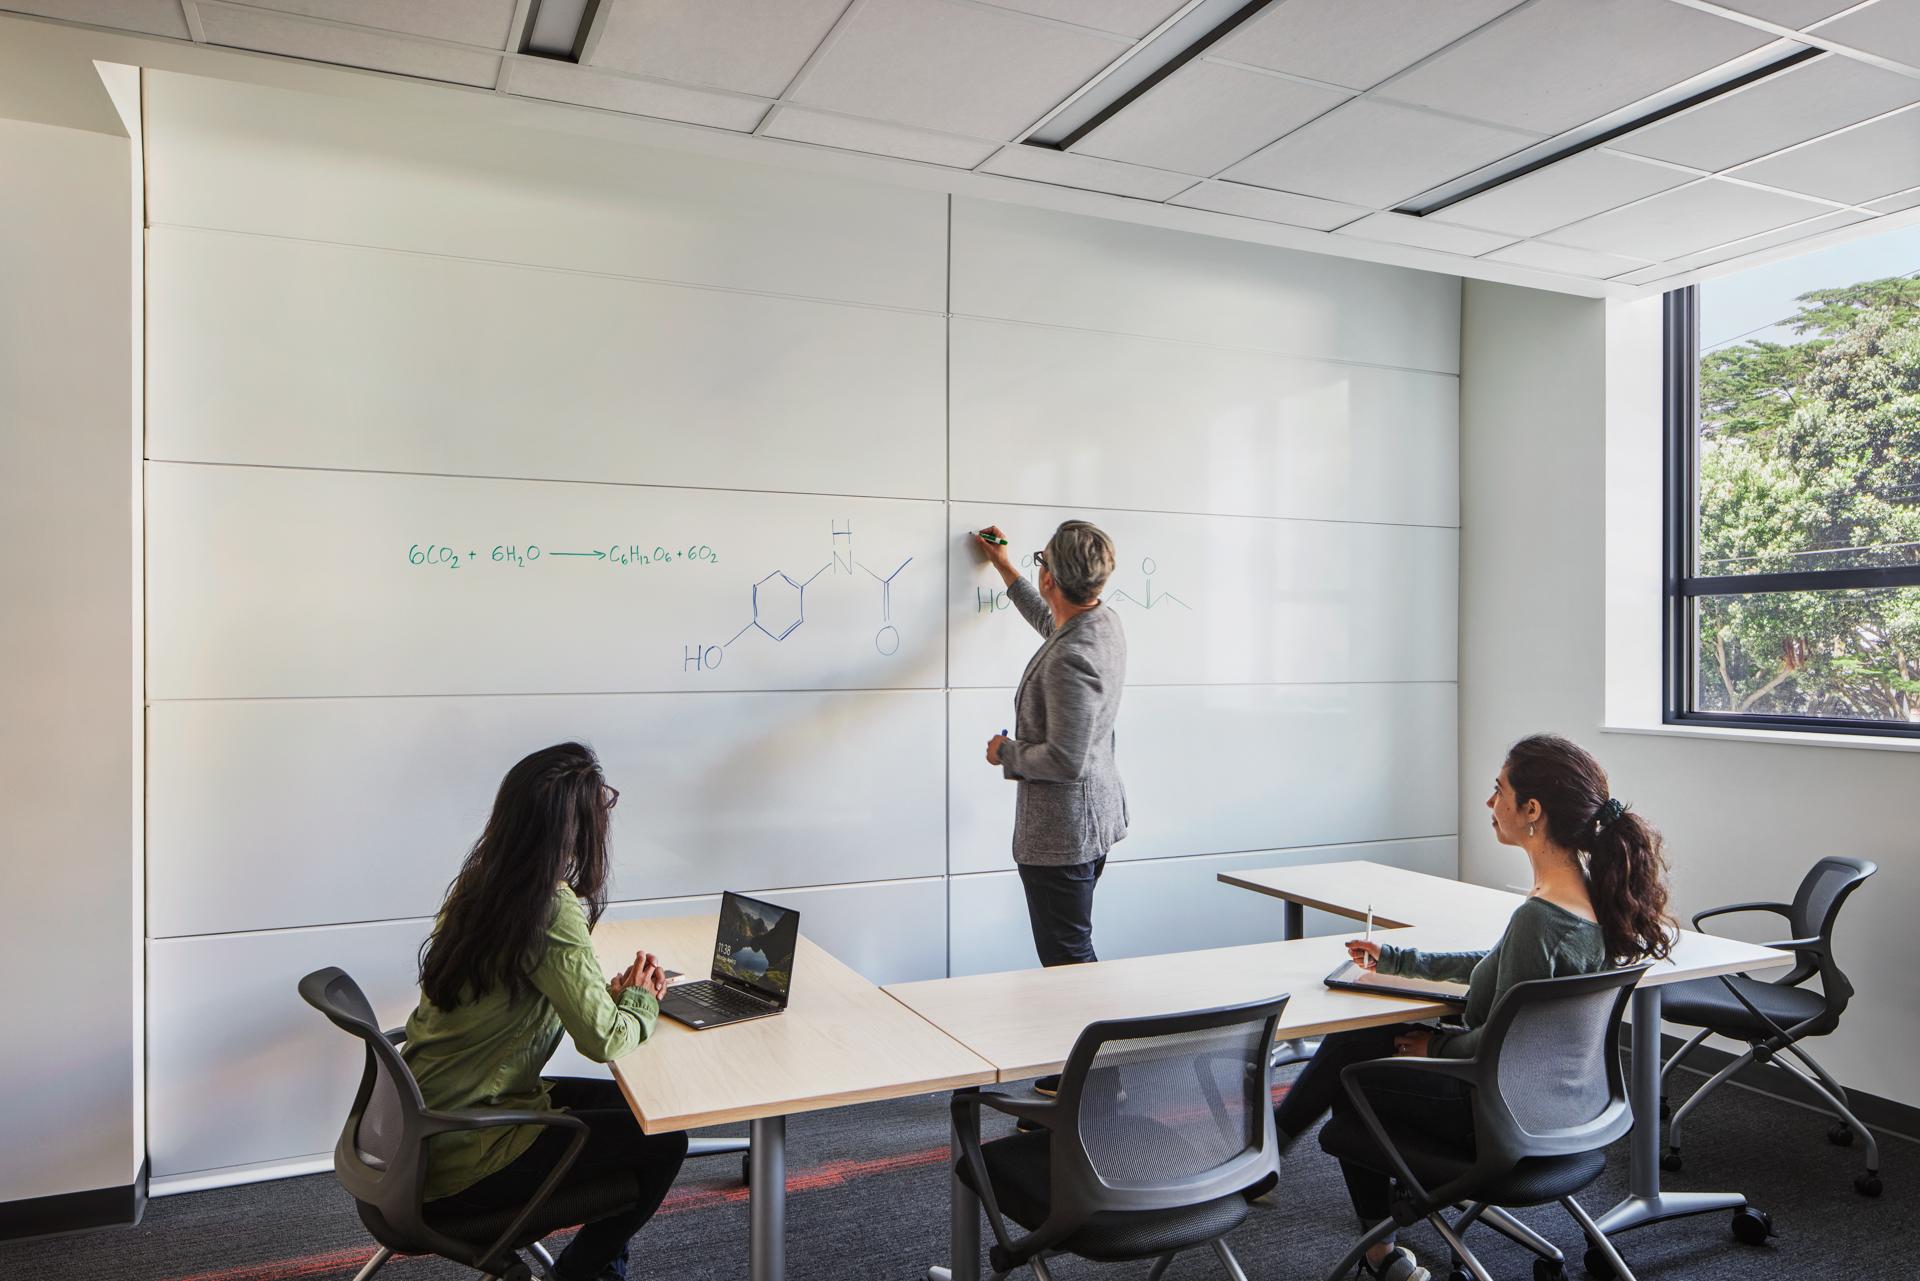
614	1142
1403	1101
1060	909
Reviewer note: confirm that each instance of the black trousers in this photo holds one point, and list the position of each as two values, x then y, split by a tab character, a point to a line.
1403	1101
1060	909
614	1142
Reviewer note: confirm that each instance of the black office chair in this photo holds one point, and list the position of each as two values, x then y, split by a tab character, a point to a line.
1774	1016
1160	1129
381	1159
1548	1094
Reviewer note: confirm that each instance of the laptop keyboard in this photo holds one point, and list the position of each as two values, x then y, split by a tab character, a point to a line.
709	995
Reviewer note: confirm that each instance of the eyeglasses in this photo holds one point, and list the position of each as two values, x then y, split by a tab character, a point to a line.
1040	558
612	794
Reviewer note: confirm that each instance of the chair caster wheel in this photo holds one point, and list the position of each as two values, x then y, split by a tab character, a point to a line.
1752	1226
746	1171
1549	1270
1867	1184
1459	1274
1840	1135
1670	1159
1599	1266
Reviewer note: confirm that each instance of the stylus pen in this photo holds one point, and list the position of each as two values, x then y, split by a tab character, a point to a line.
1369	922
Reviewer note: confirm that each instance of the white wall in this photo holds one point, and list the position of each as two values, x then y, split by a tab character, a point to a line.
70	897
1743	820
371	330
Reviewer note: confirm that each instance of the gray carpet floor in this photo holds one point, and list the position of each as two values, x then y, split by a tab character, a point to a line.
868	1199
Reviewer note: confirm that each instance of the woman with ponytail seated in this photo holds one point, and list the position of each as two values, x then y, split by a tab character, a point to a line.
1599	899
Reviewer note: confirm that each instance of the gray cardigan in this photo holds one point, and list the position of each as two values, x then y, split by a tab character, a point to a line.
1071	807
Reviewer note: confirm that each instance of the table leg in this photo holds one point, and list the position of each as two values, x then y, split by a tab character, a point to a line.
1645	1203
963	1227
1293	925
767	1199
1293	920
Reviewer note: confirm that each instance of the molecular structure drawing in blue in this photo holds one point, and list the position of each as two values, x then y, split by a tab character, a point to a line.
779	604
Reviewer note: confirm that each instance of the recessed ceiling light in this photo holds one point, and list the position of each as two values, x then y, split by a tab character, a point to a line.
558	28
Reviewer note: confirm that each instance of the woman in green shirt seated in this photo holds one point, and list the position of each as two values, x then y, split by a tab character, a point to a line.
508	967
1599	898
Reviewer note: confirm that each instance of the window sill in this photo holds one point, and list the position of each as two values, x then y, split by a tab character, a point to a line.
1786	737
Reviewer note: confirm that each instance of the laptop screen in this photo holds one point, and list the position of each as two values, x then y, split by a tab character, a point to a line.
756	945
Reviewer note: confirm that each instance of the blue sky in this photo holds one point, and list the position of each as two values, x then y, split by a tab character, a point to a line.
1732	305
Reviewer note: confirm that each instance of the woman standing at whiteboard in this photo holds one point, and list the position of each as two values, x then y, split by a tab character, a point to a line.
1070	808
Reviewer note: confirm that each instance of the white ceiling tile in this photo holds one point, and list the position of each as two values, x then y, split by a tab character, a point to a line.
955	68
296	38
1559	63
1405	229
1687	219
1896	202
1543	256
1577	187
564	82
1205	116
1658	271
1853	167
1800	103
1269	206
1133	18
1357	43
1790	13
874	138
1754	244
753	46
480	22
1041	165
1376	154
1890	28
155	17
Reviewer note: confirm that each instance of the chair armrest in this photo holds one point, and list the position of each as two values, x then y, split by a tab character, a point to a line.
1778	909
395	1035
1795	945
1040	1111
475	1119
1463	1070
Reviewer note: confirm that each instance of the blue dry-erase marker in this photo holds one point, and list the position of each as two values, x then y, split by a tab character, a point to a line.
1003	733
989	538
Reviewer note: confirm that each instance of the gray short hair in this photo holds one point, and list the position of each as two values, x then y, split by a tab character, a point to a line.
1080	557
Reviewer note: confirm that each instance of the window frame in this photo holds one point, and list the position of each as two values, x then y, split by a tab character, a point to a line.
1680	394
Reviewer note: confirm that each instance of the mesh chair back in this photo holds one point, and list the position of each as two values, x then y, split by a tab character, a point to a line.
1816	905
1551	1083
381	1156
1168	1111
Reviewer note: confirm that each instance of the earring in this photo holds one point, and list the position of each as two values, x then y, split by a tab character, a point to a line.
1529	829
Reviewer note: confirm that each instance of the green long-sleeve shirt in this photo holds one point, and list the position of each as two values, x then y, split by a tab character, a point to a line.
1543	941
489	1053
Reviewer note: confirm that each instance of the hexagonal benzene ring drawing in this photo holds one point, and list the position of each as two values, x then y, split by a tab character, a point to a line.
779	605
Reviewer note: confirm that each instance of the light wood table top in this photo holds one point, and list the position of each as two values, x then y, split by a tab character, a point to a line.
1024	1022
840	1041
1474	914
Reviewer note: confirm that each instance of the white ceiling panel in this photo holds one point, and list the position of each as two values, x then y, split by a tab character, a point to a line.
1790	13
1559	63
564	82
486	23
1577	187
1645	275
1770	240
155	17
1357	43
1404	229
1890	28
1376	154
753	46
297	38
849	134
1131	18
1688	219
1853	167
1895	203
951	67
1040	165
1204	117
1801	103
1269	206
1542	256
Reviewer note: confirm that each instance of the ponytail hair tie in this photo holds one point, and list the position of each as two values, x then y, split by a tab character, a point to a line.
1609	814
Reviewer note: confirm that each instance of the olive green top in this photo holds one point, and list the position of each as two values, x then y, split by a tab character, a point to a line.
488	1053
1543	941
